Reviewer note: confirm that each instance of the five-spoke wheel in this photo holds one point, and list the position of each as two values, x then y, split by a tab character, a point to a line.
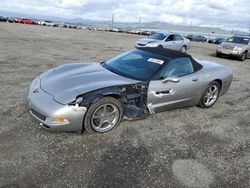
103	115
210	95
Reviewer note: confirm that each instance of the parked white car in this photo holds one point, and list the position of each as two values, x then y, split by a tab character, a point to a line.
47	23
173	41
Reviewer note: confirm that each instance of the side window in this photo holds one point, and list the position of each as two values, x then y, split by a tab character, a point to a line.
178	37
177	67
170	38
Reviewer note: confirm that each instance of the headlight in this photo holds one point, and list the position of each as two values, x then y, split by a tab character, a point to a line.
79	100
56	120
153	44
237	49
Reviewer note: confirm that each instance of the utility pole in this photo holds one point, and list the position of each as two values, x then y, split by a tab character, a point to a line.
249	30
191	24
112	21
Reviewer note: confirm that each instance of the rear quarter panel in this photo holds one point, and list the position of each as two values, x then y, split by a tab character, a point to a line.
213	71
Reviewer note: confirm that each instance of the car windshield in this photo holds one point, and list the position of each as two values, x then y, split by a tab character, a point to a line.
239	40
136	64
158	36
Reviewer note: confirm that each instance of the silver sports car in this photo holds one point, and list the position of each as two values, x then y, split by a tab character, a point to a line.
96	97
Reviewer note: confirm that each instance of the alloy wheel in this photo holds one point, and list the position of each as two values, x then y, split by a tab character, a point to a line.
211	95
105	117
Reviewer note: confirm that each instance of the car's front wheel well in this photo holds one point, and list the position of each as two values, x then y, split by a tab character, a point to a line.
219	81
116	96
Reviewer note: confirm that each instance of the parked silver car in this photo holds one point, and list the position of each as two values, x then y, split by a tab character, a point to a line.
47	23
96	96
173	41
238	46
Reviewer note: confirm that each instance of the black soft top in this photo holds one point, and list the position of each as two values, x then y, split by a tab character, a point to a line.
171	54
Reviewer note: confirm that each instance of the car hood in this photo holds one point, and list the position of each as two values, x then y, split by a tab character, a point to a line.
146	41
66	82
232	44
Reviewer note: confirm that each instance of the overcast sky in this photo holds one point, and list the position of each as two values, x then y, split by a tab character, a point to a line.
223	13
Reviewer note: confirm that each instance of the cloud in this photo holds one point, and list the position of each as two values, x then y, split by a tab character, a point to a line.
223	13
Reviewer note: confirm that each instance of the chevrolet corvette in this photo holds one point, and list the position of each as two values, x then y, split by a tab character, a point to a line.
96	97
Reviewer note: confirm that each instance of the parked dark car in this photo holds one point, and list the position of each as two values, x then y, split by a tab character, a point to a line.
147	33
3	19
199	38
190	37
216	40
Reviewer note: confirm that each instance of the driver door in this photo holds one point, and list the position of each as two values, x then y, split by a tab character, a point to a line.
177	86
170	42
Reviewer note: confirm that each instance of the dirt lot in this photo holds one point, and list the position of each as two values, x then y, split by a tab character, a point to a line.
189	147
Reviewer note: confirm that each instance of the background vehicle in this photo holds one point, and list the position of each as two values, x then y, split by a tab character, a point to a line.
199	38
173	41
216	40
190	37
47	23
237	46
3	19
26	21
135	84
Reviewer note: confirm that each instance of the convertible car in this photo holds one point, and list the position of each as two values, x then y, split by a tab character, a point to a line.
96	97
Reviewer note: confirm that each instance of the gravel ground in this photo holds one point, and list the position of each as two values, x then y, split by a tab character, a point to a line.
189	147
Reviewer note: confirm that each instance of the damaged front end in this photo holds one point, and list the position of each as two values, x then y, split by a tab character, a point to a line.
132	96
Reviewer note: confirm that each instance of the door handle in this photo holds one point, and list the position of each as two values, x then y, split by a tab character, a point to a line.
195	78
163	92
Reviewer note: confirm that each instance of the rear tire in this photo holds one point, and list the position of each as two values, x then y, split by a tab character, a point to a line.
103	115
210	95
184	49
160	46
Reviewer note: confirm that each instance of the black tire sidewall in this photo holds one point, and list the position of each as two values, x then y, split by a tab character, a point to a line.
218	54
87	119
202	104
243	56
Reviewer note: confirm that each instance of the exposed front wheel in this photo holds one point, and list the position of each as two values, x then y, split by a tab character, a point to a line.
210	96
103	115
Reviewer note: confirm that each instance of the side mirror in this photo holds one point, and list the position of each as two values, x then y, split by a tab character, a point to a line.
171	79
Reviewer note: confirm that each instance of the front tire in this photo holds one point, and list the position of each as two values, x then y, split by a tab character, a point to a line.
210	96
103	115
218	54
243	56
